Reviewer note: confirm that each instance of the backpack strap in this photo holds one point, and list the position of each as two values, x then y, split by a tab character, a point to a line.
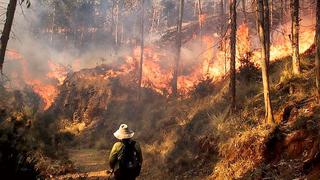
131	145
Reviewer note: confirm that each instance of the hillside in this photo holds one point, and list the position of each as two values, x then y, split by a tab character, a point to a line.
212	89
197	138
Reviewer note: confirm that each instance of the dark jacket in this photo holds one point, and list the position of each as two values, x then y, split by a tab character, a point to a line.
113	157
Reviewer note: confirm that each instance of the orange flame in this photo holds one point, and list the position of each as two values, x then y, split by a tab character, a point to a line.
45	88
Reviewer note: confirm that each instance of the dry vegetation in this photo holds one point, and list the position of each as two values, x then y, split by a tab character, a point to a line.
193	138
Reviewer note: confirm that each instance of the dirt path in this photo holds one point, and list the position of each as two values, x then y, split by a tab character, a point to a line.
89	164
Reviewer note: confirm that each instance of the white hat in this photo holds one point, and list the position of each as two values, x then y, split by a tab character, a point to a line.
123	132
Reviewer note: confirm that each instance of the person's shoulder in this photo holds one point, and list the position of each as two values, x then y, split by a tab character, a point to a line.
118	145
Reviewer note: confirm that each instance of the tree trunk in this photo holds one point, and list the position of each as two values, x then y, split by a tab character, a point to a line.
141	48
213	8
282	11
317	39
222	16
267	29
295	36
244	11
271	18
200	19
178	48
233	14
53	23
6	30
222	29
261	25
116	37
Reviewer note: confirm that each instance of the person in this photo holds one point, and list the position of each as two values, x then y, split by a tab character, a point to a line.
125	158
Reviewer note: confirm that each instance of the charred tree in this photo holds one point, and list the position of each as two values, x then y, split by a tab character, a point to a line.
262	30
141	48
295	37
317	39
233	16
178	50
6	30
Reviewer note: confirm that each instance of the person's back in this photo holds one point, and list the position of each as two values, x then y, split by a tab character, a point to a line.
126	157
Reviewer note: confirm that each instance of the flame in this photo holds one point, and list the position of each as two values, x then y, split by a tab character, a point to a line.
243	41
281	47
47	92
58	72
212	63
158	63
44	87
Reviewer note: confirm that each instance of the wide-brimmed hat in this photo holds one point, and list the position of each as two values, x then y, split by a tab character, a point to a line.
123	132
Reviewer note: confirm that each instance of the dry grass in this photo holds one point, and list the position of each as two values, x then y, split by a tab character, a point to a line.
242	153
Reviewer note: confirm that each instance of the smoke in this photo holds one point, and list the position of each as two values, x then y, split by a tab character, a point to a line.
32	48
80	41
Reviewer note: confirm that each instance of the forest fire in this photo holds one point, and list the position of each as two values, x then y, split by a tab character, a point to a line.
45	87
58	72
281	46
157	68
79	79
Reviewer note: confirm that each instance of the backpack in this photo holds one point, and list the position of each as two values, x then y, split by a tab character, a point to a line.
128	159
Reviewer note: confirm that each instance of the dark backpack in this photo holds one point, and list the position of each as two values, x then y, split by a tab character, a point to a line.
128	159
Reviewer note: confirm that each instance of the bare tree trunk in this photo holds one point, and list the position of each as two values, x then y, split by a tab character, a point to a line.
225	55
141	48
222	16
264	58
317	59
271	18
282	11
226	9
200	20
6	30
295	37
222	29
213	8
116	37
233	15
267	29
244	11
122	37
178	48
53	23
115	25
